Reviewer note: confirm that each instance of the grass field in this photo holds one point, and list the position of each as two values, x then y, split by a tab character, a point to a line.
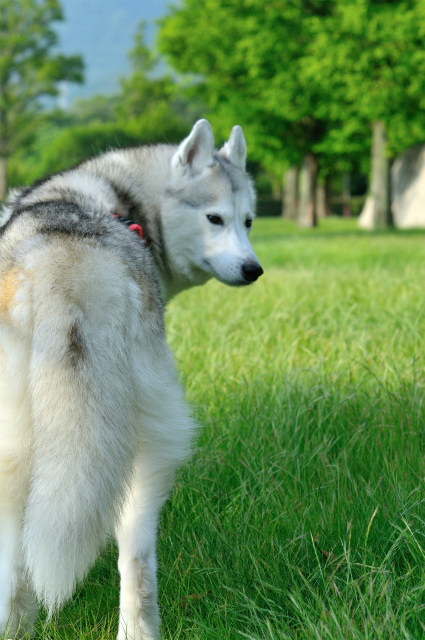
301	516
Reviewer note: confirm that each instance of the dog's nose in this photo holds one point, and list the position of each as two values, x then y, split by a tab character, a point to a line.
251	270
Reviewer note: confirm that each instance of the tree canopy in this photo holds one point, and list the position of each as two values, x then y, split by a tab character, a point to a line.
304	75
29	69
246	57
149	110
367	59
150	102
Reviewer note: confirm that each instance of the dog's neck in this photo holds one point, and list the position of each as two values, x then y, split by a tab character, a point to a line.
143	172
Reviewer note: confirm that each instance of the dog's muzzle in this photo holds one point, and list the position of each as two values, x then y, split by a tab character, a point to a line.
251	271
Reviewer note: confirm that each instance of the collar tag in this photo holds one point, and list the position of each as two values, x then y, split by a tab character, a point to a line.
132	226
138	229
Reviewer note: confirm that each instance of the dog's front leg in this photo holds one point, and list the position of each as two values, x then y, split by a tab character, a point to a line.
9	544
139	611
18	607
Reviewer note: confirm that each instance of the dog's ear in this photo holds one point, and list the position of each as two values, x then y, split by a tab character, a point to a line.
195	152
235	148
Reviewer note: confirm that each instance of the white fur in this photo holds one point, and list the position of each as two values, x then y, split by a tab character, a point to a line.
235	148
195	152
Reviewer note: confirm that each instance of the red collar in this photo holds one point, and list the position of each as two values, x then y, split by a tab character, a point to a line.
132	226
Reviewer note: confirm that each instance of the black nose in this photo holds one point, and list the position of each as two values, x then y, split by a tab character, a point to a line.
251	270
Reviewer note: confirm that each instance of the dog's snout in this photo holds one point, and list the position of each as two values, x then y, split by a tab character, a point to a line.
251	270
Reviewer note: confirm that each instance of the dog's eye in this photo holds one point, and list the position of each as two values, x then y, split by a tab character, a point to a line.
248	223
216	220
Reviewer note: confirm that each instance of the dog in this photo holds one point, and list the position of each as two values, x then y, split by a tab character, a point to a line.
93	420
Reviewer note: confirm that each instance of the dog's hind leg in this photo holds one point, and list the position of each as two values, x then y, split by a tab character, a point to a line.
18	608
139	612
156	463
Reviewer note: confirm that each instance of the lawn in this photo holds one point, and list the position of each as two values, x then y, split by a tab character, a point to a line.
301	515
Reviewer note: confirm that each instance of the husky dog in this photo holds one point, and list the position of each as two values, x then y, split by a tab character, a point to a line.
93	421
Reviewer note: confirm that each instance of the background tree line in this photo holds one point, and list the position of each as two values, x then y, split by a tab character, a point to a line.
311	82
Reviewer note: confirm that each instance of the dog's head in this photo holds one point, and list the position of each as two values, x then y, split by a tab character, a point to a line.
210	206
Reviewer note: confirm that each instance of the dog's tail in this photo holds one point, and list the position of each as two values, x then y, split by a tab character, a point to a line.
83	421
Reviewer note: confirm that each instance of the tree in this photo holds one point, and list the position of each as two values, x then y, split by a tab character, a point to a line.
148	110
29	69
150	103
367	59
248	62
306	78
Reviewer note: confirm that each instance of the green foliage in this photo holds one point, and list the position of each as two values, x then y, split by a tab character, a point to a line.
97	109
152	102
59	149
368	59
247	61
305	76
301	515
29	68
149	110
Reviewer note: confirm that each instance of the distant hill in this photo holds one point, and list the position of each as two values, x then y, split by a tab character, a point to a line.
102	32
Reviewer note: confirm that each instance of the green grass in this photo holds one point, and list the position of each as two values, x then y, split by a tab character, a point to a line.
302	515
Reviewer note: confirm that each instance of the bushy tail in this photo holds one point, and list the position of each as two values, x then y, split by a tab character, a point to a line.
83	444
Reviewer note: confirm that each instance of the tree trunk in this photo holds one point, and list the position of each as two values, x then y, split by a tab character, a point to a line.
307	210
323	199
290	193
380	179
346	195
276	188
320	200
3	184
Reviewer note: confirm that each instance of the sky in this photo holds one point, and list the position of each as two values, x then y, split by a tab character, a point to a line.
102	32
